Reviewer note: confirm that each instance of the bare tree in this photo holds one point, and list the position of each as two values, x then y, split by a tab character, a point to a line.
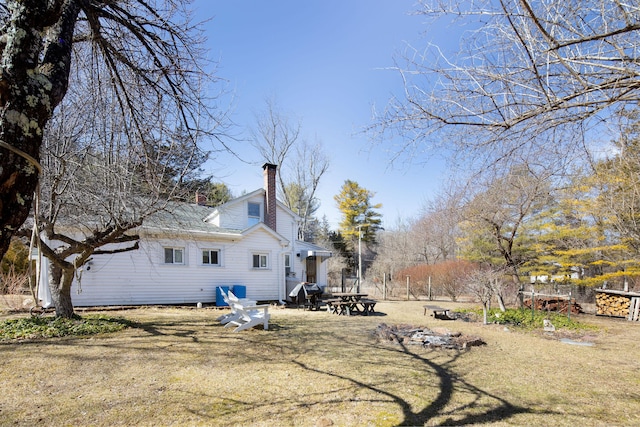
275	137
435	232
481	283
301	164
494	219
147	49
98	186
396	250
530	77
309	167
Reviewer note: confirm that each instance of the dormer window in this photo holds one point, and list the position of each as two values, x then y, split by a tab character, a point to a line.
253	211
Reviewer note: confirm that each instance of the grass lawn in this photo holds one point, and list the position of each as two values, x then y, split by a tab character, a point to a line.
181	367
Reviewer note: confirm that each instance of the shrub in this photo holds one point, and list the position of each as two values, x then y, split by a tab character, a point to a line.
526	319
49	327
447	278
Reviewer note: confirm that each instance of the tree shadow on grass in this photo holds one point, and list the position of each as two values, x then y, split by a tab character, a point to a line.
449	383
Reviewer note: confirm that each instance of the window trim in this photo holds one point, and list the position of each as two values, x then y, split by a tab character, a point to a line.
173	255
287	265
260	256
210	264
253	219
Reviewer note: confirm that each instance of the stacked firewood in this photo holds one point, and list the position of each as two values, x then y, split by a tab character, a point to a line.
608	304
556	304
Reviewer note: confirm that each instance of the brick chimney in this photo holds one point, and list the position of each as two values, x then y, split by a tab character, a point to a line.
270	195
201	199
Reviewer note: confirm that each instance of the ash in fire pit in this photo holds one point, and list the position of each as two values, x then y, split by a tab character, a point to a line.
412	335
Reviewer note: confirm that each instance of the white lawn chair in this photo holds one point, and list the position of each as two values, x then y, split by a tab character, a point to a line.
250	316
232	301
244	301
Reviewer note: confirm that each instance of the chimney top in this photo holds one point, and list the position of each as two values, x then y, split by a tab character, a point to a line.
201	199
270	195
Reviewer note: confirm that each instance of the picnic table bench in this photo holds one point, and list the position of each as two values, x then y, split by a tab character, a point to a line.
438	312
368	305
347	308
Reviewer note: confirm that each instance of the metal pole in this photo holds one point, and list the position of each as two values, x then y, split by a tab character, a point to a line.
359	257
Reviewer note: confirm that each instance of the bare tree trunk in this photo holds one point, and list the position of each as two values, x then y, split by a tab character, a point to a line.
485	312
498	291
33	80
520	287
60	280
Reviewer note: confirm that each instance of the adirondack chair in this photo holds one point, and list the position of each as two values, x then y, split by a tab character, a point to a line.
232	301
250	316
244	301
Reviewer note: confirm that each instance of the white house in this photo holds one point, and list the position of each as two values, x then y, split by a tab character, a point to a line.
250	243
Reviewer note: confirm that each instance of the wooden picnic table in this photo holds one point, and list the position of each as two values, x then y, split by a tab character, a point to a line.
349	307
350	296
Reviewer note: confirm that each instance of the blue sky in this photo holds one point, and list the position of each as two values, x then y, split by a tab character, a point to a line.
326	64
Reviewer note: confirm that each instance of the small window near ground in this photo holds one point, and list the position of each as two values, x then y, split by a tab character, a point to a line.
173	255
260	261
253	213
211	256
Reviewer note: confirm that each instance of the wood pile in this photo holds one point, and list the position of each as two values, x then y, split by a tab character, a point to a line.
617	303
557	304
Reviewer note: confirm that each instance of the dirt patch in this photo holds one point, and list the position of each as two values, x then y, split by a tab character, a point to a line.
429	338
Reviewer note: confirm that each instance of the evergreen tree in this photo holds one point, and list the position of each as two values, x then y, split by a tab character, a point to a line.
358	213
217	193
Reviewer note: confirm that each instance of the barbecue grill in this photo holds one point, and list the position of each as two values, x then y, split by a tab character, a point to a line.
308	294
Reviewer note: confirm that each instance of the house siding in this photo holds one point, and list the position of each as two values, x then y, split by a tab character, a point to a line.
142	277
286	225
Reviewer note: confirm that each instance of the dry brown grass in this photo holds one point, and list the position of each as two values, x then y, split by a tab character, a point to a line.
180	367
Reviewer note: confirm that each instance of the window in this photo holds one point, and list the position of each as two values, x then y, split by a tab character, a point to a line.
260	261
173	256
211	256
253	213
287	265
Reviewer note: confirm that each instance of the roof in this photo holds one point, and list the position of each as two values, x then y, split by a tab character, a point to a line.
186	218
259	192
307	249
191	219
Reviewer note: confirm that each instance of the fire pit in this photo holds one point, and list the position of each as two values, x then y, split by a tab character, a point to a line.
412	335
307	294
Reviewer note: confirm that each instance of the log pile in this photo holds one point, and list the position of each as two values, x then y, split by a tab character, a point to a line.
557	304
613	303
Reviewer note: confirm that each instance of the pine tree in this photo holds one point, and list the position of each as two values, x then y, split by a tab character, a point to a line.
358	213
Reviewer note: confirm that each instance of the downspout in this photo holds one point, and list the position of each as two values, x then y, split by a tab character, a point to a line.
283	279
282	289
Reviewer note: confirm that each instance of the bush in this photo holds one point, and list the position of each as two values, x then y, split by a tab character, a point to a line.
49	327
447	278
525	319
